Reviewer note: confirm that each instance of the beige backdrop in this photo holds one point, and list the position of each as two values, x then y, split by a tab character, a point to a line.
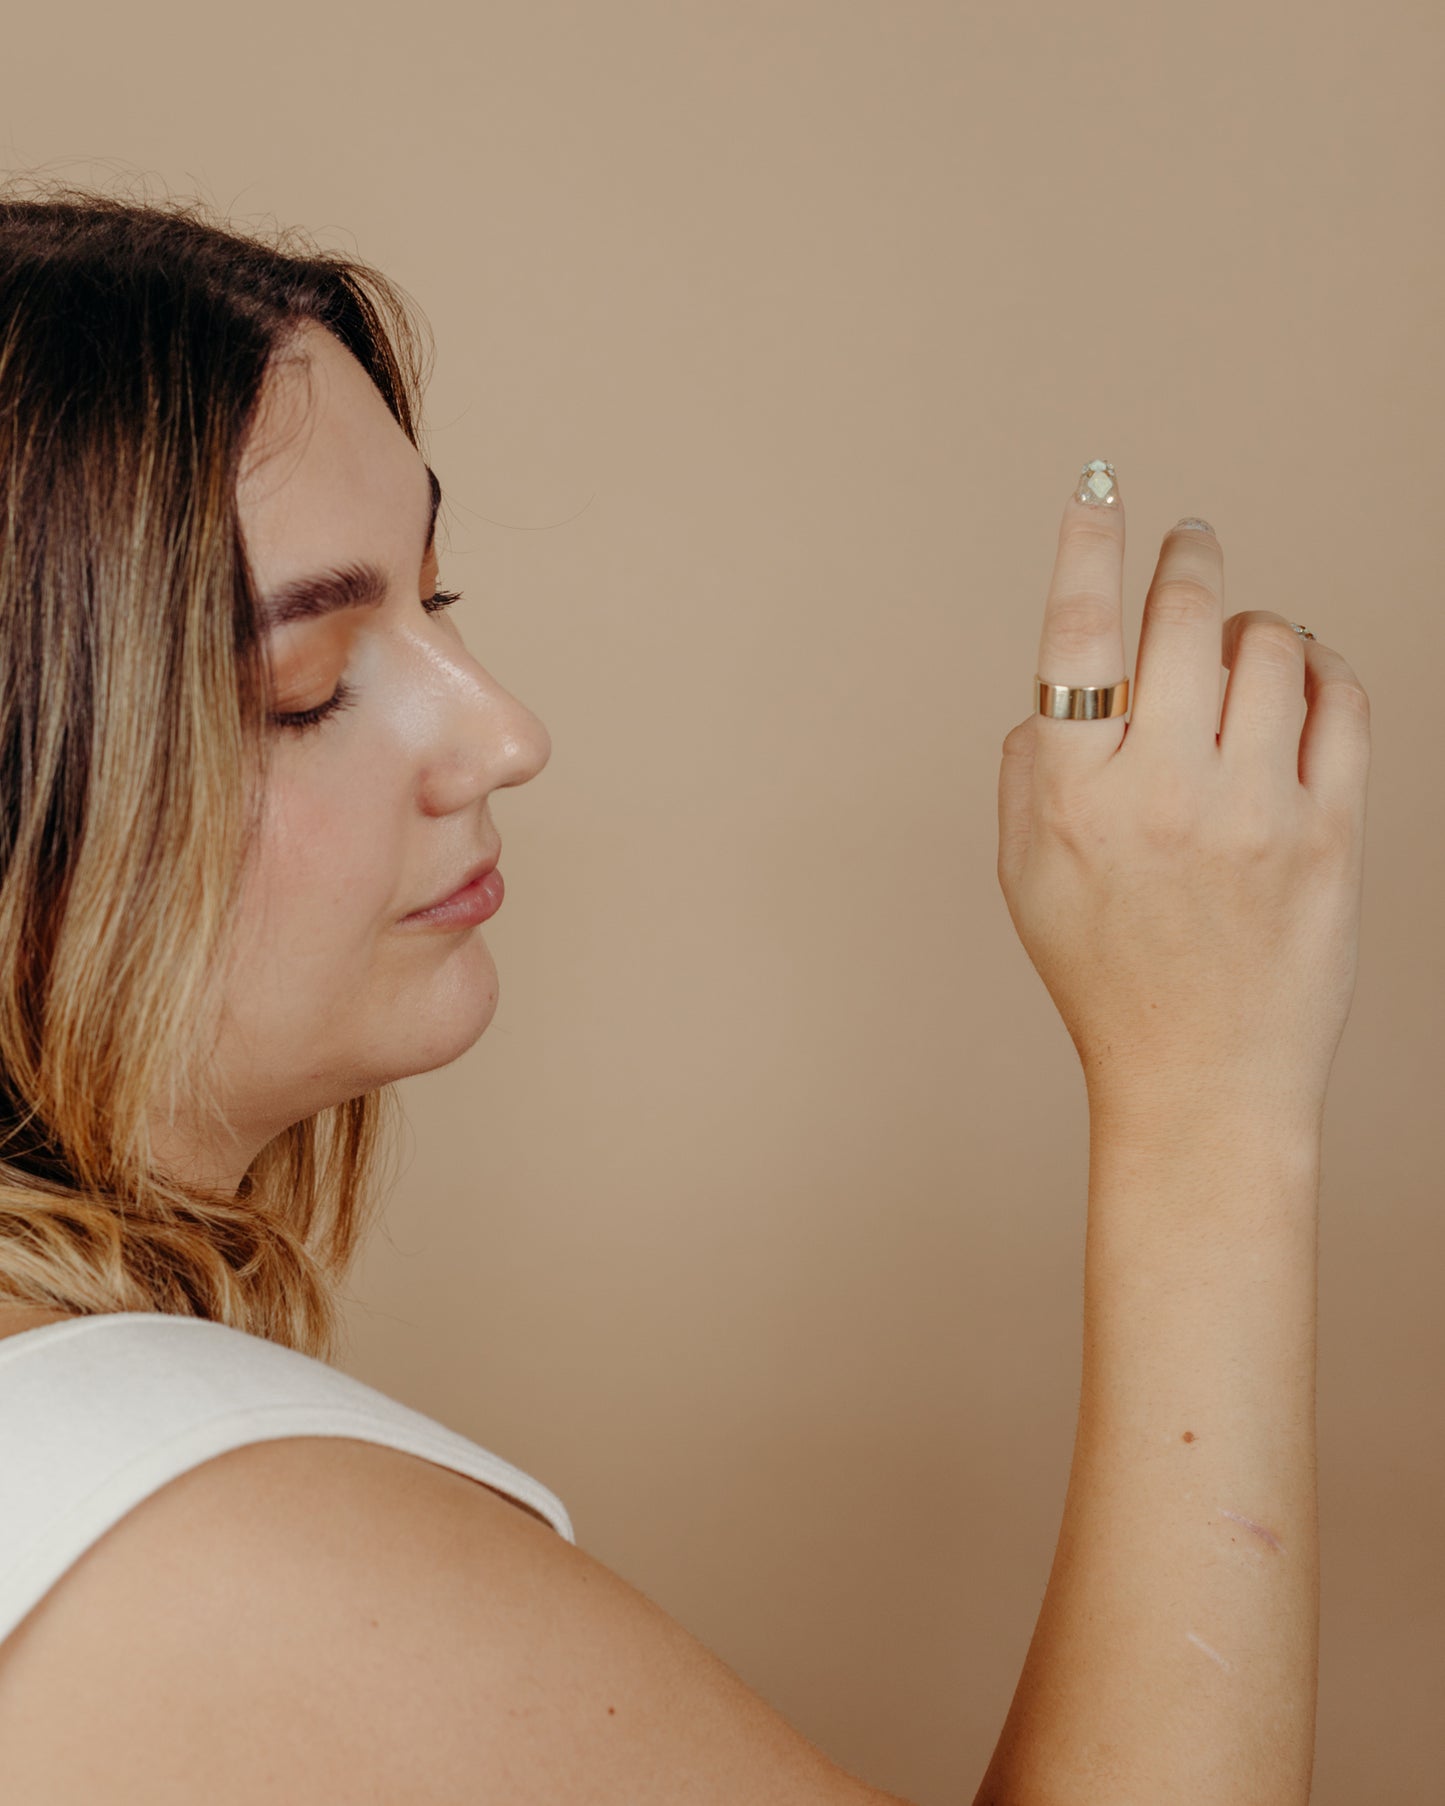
770	340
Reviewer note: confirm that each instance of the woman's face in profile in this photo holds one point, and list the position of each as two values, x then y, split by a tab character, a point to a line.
377	810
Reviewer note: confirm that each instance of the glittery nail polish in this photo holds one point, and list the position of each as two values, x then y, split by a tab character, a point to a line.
1096	485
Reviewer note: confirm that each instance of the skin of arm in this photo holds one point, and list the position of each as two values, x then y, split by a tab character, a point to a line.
1175	1657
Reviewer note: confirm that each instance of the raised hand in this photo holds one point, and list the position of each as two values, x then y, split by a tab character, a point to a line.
1187	886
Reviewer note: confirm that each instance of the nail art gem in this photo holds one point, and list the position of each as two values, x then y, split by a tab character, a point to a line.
1096	485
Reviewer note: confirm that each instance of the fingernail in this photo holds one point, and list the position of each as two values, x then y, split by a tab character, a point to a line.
1096	485
1193	520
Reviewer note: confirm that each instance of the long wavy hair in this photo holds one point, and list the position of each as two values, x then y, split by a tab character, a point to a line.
135	340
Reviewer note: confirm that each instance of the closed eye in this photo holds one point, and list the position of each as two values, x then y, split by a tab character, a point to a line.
344	695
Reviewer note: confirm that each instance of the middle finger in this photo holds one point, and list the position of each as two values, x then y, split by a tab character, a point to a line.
1177	669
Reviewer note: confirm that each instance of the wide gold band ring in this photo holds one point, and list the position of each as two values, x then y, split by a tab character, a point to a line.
1067	702
1070	702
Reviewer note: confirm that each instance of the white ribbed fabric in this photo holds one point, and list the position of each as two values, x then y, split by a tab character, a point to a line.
96	1413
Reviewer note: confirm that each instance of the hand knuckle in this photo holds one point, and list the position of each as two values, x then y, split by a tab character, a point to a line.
1346	691
1255	829
1064	811
1183	600
1327	839
1268	637
1078	622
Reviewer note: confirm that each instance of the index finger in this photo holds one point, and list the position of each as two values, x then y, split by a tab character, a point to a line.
1082	643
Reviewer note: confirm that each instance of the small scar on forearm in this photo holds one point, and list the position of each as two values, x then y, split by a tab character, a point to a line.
1213	1654
1265	1536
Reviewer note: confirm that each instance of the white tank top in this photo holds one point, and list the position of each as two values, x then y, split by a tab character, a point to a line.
96	1413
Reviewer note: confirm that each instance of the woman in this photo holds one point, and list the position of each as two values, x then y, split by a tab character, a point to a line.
247	756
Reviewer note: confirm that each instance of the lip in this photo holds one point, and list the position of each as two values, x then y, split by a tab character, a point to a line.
477	872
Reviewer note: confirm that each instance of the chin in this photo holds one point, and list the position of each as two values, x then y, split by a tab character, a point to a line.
456	1007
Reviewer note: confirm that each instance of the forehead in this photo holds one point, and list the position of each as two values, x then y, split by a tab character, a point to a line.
327	475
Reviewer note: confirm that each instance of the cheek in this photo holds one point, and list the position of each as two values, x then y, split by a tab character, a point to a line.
324	871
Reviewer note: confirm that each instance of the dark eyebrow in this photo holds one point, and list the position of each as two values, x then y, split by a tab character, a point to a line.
350	586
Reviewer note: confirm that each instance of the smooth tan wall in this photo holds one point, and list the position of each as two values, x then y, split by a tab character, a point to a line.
770	340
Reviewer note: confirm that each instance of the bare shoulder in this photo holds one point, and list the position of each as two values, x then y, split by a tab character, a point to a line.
321	1618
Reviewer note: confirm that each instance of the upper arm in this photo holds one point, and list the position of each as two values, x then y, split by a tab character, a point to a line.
321	1618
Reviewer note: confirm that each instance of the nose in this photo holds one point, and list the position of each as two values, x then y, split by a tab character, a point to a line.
485	739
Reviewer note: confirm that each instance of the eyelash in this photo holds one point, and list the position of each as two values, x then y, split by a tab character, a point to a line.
344	695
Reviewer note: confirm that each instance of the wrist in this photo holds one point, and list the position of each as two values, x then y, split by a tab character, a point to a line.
1204	1108
1166	1169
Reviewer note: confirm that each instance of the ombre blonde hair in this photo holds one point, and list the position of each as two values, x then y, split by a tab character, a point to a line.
135	340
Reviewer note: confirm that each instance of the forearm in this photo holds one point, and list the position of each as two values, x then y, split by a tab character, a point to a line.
1175	1655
